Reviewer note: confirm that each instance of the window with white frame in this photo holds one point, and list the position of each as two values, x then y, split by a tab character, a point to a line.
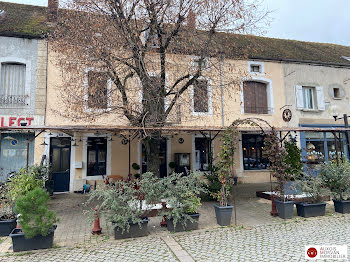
12	84
97	90
309	97
201	96
255	67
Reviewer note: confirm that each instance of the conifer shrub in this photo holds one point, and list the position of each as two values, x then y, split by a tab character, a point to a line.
35	217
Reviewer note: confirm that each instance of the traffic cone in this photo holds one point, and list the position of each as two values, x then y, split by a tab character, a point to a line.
97	228
18	225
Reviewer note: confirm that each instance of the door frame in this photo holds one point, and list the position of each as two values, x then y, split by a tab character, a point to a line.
108	159
72	156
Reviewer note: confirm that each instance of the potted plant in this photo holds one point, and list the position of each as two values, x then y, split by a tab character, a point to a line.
336	177
37	222
313	187
225	172
7	218
181	194
124	206
136	167
285	166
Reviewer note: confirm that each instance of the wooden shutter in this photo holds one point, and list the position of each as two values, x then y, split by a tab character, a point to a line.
299	101
97	91
320	98
255	97
200	96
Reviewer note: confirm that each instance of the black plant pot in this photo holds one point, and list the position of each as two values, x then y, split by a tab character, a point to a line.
134	230
20	243
311	210
223	215
285	209
180	227
342	206
6	226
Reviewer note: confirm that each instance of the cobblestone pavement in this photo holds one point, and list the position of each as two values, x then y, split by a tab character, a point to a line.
282	241
277	242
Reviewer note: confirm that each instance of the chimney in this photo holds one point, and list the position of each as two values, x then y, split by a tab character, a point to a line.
191	20
52	10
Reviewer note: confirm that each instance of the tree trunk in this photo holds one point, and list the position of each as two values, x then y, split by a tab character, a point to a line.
152	146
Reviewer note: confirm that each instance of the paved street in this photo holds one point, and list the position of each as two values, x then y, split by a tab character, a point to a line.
282	241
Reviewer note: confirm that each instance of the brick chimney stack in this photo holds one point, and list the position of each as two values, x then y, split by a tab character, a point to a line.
191	20
52	10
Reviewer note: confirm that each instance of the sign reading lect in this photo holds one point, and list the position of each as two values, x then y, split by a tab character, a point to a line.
14	121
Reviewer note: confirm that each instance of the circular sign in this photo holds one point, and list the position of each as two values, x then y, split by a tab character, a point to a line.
312	252
181	140
124	141
287	115
13	142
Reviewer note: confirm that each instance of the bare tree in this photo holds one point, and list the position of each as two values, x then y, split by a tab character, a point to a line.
138	45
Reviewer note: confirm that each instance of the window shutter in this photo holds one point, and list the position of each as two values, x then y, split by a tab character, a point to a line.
299	97
320	98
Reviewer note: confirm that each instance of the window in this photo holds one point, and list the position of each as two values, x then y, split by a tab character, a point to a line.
309	97
200	96
255	97
253	146
336	92
255	68
97	90
197	61
202	149
96	156
322	146
12	84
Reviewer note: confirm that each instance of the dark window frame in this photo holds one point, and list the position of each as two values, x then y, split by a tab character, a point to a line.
97	144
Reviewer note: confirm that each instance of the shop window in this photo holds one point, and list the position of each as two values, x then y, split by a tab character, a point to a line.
323	146
96	156
255	97
12	84
200	96
202	149
253	147
97	90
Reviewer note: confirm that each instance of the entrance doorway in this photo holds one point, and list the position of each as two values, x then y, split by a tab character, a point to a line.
162	157
60	163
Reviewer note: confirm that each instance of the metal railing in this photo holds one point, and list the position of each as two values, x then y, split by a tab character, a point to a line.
12	101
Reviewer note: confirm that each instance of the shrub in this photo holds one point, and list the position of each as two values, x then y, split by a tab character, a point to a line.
25	181
181	193
35	217
313	186
336	177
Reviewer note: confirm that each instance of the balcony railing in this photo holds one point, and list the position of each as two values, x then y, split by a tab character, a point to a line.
258	110
12	101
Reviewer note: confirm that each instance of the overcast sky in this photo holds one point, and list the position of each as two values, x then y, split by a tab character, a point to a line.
307	20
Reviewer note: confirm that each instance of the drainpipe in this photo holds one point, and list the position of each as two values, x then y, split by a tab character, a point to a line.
222	90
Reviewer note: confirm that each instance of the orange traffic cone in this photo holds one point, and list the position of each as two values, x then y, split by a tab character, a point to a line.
18	225
97	228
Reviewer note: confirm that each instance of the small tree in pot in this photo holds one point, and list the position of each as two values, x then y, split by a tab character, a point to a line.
124	205
313	187
7	214
285	166
336	177
182	196
37	222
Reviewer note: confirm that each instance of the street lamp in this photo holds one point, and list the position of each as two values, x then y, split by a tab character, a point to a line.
335	112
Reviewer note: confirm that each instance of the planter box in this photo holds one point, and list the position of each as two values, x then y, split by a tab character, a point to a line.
179	227
285	209
342	206
134	230
311	210
223	215
20	243
6	226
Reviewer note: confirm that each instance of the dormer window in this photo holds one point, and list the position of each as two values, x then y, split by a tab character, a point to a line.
255	68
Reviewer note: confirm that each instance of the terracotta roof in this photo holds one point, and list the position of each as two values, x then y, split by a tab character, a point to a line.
30	22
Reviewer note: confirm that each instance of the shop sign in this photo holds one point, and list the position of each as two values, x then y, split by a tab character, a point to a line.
16	121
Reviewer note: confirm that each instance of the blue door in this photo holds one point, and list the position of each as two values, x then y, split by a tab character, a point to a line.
60	163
